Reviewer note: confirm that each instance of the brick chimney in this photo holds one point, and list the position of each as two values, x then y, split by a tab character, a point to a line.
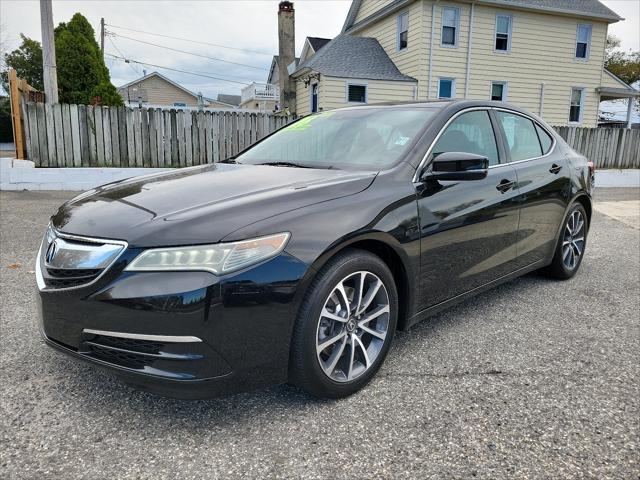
286	54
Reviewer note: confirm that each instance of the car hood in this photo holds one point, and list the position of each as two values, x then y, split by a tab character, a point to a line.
200	204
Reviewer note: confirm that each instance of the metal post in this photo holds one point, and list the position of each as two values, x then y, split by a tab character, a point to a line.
49	73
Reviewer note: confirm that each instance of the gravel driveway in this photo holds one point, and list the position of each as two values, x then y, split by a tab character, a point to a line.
535	379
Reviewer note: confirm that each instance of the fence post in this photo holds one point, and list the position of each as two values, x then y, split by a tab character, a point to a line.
16	118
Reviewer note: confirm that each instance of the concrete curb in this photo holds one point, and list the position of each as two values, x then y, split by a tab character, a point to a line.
618	178
22	175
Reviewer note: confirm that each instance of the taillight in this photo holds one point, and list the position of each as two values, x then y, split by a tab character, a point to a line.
592	168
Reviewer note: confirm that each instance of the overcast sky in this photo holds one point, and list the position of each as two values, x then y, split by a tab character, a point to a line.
245	25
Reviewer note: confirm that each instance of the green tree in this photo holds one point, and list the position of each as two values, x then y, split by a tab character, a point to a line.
82	73
624	65
27	61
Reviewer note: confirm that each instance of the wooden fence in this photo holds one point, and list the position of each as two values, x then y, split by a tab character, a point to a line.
64	135
84	136
606	147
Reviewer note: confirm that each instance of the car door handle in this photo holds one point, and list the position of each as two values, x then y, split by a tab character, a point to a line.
505	185
555	169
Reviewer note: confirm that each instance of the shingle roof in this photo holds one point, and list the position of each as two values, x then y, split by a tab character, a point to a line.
229	99
353	57
317	43
580	8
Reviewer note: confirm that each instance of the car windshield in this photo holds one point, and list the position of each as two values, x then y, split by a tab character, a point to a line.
368	138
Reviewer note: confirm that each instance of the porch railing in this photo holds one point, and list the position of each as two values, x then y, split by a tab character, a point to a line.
259	91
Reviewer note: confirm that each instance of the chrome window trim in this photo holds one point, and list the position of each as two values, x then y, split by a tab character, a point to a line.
142	336
422	163
39	277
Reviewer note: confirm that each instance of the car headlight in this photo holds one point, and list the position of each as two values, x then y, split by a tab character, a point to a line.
218	258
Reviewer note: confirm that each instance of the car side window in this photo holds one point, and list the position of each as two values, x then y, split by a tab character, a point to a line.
522	139
471	132
545	139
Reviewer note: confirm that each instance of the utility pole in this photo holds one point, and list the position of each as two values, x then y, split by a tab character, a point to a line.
49	72
102	36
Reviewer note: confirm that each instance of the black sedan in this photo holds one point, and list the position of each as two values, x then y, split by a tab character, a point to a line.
297	260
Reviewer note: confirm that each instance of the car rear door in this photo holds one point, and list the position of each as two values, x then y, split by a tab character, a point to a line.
468	228
544	183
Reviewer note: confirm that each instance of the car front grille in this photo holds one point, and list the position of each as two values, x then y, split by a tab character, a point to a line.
69	261
70	277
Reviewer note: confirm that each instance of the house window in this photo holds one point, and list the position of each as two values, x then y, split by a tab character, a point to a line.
575	109
503	33
447	88
499	91
314	98
450	22
583	39
403	30
179	104
356	93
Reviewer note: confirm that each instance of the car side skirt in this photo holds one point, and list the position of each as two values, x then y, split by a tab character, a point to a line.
427	312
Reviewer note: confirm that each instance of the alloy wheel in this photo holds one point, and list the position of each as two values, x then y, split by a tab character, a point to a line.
353	326
573	240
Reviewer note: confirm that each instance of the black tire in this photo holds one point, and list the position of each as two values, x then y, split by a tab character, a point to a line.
558	268
305	369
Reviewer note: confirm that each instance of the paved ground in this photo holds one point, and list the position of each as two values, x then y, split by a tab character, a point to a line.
536	379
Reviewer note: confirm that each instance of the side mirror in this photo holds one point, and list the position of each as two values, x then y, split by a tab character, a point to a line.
459	166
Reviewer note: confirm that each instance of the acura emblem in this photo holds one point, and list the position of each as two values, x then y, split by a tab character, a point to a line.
52	249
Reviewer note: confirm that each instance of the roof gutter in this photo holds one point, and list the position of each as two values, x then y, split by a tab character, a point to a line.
562	11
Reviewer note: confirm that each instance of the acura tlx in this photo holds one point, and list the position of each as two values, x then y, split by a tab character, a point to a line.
298	259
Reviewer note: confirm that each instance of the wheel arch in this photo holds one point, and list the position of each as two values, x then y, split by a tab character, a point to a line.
585	201
391	253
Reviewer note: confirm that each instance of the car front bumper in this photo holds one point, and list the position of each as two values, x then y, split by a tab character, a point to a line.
180	334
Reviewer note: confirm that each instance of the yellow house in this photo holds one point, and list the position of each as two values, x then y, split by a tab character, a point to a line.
545	56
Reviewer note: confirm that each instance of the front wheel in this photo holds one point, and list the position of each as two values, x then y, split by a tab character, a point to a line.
345	326
571	244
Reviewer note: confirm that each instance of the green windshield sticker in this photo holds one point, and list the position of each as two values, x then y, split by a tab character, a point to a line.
305	122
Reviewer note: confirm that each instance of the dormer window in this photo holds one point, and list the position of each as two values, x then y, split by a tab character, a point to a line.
403	31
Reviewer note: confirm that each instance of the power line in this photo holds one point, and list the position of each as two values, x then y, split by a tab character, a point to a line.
193	41
128	60
123	55
188	53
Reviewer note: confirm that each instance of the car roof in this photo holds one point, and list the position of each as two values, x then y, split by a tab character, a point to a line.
451	107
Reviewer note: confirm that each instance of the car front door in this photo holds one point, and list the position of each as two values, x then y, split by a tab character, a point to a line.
468	228
544	183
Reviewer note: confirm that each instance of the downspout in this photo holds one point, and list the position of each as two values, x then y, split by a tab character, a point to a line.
433	27
468	78
541	106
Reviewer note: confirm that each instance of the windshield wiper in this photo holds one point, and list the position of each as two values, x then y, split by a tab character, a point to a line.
228	160
284	164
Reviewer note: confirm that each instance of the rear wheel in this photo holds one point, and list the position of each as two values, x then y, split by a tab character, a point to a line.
571	244
345	326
